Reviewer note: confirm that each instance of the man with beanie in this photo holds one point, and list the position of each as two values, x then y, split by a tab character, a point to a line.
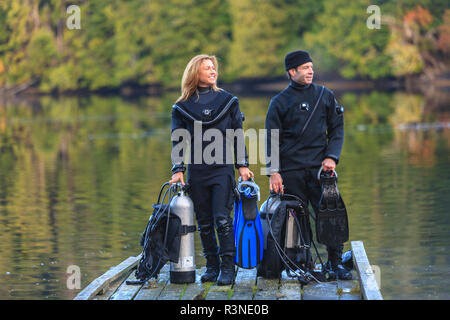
311	135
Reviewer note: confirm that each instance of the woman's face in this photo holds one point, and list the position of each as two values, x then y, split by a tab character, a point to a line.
207	74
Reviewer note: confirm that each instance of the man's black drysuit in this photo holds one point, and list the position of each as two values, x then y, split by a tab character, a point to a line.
300	159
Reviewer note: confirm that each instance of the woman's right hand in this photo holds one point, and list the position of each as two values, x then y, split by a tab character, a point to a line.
178	176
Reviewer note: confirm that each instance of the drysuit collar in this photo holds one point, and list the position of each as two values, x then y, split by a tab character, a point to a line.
299	86
204	90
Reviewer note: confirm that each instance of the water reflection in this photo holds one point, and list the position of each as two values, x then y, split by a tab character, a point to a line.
78	177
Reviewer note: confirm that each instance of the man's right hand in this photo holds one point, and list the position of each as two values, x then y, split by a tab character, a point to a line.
276	183
178	176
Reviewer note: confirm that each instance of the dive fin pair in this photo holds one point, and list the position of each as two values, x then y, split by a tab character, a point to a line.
248	232
331	220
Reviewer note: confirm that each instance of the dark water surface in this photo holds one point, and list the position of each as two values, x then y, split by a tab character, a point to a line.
78	177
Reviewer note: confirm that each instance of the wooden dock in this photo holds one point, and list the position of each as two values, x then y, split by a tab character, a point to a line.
247	286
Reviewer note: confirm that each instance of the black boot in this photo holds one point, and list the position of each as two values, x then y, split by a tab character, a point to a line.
209	244
212	269
226	251
226	276
342	273
334	265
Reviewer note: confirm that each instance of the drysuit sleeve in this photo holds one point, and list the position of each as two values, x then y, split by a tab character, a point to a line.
177	154
273	122
240	150
335	128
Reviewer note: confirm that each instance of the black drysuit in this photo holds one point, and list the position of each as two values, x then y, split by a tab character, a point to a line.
300	160
211	184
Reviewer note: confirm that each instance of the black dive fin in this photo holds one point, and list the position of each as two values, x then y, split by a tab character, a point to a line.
331	220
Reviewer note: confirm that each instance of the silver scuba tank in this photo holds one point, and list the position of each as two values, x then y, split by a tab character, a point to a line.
292	239
184	270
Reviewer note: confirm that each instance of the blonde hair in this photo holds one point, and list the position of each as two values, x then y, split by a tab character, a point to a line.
189	82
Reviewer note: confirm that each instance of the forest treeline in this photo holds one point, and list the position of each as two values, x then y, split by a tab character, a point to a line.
140	43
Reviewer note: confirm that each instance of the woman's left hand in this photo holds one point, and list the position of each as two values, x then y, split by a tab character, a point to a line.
245	173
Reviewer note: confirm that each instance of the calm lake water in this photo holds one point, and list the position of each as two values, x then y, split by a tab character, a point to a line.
78	177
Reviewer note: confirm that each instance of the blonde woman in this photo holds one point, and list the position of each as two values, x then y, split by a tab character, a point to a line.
203	106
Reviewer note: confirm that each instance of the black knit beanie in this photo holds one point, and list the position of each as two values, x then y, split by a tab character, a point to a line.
296	58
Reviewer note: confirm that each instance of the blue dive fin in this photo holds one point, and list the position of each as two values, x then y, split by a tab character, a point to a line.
248	233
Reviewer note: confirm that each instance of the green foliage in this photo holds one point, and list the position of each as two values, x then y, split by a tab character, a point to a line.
137	42
16	21
181	29
41	53
345	40
399	8
263	31
405	57
254	48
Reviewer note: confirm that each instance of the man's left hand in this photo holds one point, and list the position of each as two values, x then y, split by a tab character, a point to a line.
328	164
245	173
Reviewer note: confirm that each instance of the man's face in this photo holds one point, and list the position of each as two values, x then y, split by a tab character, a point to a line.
207	74
303	74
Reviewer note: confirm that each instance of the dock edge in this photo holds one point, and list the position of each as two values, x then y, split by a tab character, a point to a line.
369	286
105	279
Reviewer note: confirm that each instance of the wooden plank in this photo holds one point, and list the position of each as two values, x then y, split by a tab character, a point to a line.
216	292
104	280
289	289
112	287
320	291
369	286
126	291
152	290
172	291
349	289
195	291
244	285
266	289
